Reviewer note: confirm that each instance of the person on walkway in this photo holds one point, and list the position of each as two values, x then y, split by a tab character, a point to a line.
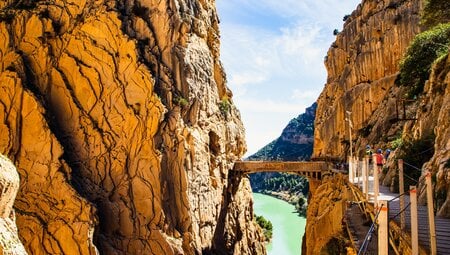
368	151
379	160
386	154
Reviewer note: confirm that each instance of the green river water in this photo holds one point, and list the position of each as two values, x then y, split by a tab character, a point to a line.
288	227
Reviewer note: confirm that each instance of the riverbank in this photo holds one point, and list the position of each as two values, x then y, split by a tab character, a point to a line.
288	226
291	198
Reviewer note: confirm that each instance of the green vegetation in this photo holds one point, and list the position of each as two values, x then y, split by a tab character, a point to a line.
266	225
293	186
180	101
263	182
284	150
426	47
225	106
397	142
289	146
435	12
301	205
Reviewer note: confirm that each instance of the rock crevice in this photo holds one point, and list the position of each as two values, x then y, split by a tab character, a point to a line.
108	110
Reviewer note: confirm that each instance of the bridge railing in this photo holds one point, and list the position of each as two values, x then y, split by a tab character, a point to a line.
402	241
305	168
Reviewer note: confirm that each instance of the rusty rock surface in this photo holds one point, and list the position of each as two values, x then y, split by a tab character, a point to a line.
326	209
119	120
362	66
433	115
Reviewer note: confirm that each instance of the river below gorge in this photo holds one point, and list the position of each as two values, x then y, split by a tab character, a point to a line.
288	226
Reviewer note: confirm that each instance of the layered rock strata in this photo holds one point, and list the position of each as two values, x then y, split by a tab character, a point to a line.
362	66
433	115
326	210
119	120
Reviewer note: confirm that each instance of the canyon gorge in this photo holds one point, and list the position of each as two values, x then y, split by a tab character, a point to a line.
119	132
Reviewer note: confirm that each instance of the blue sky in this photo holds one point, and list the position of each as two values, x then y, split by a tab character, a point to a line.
273	52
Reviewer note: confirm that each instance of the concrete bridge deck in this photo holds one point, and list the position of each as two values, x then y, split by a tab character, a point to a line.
306	168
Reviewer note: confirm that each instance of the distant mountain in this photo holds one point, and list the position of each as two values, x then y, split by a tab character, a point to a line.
295	142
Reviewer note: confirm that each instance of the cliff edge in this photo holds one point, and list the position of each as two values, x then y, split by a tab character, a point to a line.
390	102
362	66
118	118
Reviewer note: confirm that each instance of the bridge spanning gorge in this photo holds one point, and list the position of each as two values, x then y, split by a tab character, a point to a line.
314	169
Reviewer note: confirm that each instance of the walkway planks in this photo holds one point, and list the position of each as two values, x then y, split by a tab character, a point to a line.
442	224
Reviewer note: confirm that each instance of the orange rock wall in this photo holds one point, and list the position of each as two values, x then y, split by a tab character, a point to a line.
110	110
362	66
433	114
326	210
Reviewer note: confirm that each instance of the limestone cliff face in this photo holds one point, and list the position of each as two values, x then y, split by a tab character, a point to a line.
362	66
433	115
326	210
9	185
119	120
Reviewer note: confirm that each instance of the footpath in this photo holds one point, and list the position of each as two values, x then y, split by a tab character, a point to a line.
359	224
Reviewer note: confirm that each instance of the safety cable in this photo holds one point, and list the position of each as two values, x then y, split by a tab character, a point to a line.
422	152
411	178
404	209
367	239
406	163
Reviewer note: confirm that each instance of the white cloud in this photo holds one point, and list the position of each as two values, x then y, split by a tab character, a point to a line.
273	55
253	56
327	12
270	106
303	95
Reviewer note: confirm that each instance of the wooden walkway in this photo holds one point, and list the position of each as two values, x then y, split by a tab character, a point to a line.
306	168
442	224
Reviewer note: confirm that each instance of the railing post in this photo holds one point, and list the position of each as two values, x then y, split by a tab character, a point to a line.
355	168
414	221
431	214
366	174
376	185
350	169
401	190
363	174
383	231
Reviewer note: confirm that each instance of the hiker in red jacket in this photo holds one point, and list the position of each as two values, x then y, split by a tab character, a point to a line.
379	160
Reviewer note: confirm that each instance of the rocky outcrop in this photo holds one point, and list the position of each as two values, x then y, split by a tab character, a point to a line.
9	185
300	130
119	120
362	66
51	217
326	211
433	114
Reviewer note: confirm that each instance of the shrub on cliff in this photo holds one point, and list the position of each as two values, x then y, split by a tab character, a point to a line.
424	50
267	227
301	205
435	12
